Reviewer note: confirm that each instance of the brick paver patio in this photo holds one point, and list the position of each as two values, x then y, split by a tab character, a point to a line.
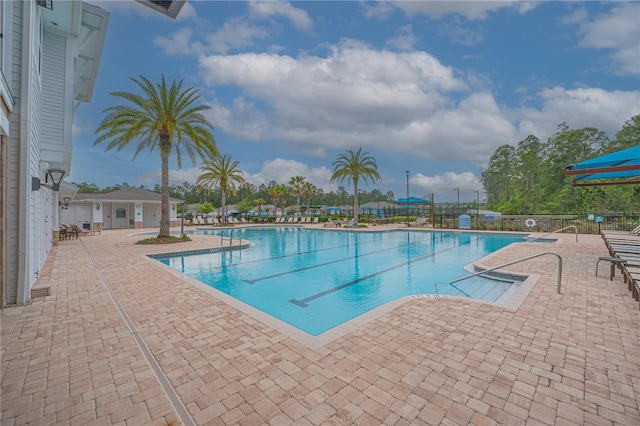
121	340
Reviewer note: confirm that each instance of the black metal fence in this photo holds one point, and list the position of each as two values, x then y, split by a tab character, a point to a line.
586	224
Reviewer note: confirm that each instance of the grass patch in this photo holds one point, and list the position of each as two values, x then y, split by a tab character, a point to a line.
164	240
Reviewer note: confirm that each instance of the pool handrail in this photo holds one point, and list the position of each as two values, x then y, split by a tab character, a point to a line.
557	230
230	235
518	261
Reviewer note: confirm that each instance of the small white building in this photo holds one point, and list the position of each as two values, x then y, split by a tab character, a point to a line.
125	208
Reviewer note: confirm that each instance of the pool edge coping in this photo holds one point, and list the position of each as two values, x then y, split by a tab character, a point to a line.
512	304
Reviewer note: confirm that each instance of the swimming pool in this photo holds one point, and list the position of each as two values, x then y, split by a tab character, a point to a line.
316	280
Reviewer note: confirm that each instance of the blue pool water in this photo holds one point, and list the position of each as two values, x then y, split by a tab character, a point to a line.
316	280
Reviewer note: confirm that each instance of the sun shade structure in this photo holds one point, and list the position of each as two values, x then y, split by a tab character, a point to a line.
617	168
412	202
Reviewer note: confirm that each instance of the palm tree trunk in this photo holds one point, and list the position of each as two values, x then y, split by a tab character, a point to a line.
355	200
164	194
224	207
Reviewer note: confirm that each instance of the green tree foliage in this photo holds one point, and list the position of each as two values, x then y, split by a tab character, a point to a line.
530	178
278	193
166	118
244	206
205	208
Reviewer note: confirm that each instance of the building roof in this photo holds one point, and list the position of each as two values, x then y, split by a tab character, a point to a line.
170	8
126	194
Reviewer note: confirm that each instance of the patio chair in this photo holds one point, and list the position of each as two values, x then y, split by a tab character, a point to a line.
351	224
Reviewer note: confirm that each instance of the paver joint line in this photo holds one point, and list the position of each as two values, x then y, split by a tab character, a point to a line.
181	411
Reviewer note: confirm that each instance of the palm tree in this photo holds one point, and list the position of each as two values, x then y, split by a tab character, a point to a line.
296	183
353	166
308	189
221	172
164	117
278	193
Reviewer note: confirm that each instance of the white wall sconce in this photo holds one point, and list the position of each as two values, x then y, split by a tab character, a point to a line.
55	175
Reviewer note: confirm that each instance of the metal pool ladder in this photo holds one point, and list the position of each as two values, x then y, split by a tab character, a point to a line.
229	234
518	261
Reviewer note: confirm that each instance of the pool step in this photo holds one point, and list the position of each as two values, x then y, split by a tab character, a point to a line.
477	288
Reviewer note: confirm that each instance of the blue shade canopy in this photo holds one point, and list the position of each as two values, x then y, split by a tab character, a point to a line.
412	200
617	168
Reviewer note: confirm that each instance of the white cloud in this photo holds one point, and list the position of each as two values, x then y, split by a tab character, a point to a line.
401	103
585	107
282	170
268	9
471	10
405	40
618	31
236	33
179	43
379	10
460	34
443	185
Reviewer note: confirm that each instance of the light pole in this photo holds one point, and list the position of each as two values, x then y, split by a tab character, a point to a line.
457	205
477	207
407	172
182	220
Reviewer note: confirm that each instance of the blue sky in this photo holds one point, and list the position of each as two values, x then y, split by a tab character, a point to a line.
429	87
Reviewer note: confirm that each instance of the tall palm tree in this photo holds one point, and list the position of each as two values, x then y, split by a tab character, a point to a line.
164	117
353	166
296	183
221	172
308	190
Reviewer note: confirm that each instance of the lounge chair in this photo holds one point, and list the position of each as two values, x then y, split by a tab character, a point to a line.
316	219
418	222
331	224
351	224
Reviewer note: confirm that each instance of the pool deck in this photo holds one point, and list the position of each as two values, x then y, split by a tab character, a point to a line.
123	340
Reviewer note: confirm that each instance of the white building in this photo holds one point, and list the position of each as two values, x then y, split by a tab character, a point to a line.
49	58
125	208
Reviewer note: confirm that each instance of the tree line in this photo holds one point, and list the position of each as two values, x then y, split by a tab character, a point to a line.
249	194
529	177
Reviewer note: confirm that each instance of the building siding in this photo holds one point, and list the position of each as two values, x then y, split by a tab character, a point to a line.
13	155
